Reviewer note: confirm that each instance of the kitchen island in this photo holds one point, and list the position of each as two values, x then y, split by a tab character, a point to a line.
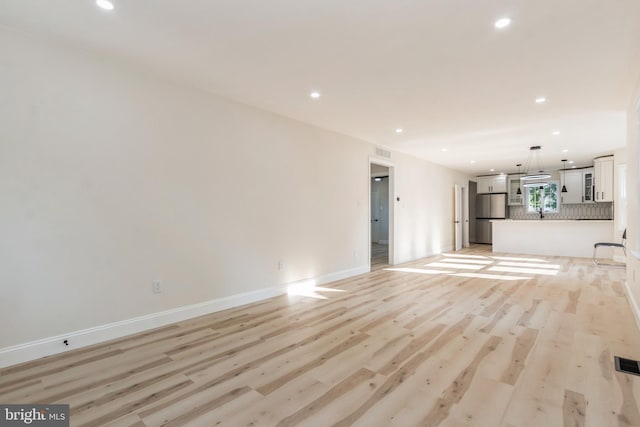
573	238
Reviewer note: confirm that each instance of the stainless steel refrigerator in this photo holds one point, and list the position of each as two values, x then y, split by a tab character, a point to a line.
488	207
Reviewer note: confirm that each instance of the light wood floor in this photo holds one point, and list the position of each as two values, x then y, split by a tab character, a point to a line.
465	339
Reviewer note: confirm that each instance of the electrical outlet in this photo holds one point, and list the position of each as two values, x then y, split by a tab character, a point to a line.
156	287
280	265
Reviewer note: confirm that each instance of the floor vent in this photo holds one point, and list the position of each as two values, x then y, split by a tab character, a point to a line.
627	366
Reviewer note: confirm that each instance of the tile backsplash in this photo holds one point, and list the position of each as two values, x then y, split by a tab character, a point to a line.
567	211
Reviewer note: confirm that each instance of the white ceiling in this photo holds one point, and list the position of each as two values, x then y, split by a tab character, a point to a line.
436	68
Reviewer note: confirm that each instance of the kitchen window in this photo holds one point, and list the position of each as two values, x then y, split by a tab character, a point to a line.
547	198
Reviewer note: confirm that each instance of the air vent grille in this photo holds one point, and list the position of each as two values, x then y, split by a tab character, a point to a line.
627	366
381	152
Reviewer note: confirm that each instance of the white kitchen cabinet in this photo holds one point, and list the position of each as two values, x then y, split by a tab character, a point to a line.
572	181
603	179
499	184
514	184
579	184
491	184
484	184
587	185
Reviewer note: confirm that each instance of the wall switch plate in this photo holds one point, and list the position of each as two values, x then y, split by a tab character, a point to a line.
156	288
280	265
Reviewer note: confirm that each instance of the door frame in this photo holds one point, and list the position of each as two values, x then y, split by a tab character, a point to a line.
392	198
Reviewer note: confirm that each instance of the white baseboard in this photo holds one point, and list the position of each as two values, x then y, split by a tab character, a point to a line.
53	345
85	337
442	250
635	309
331	277
339	275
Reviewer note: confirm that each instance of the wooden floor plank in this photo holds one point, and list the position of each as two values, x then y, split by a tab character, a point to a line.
454	393
574	409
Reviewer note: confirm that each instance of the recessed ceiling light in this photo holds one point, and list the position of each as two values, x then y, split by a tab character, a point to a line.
565	151
399	130
105	4
555	133
573	167
443	149
570	162
541	100
492	170
502	23
315	94
472	161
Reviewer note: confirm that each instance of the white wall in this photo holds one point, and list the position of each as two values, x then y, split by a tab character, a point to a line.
111	178
633	201
620	160
424	215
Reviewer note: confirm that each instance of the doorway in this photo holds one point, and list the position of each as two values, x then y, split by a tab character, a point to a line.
380	215
461	217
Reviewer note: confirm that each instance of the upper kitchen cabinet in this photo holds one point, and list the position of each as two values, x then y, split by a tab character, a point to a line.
514	198
578	184
571	181
603	179
492	184
587	185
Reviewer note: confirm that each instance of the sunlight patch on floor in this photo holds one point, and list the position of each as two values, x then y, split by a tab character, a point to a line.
417	270
451	265
468	261
491	276
308	288
540	271
486	267
529	264
511	258
466	256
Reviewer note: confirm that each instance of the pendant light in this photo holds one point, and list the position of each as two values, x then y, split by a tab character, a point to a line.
564	168
534	175
519	192
539	184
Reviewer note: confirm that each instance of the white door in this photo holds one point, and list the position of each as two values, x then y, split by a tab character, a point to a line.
375	216
382	207
458	216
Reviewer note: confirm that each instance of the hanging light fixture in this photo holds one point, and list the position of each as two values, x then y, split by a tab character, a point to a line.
539	184
564	167
519	192
534	175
